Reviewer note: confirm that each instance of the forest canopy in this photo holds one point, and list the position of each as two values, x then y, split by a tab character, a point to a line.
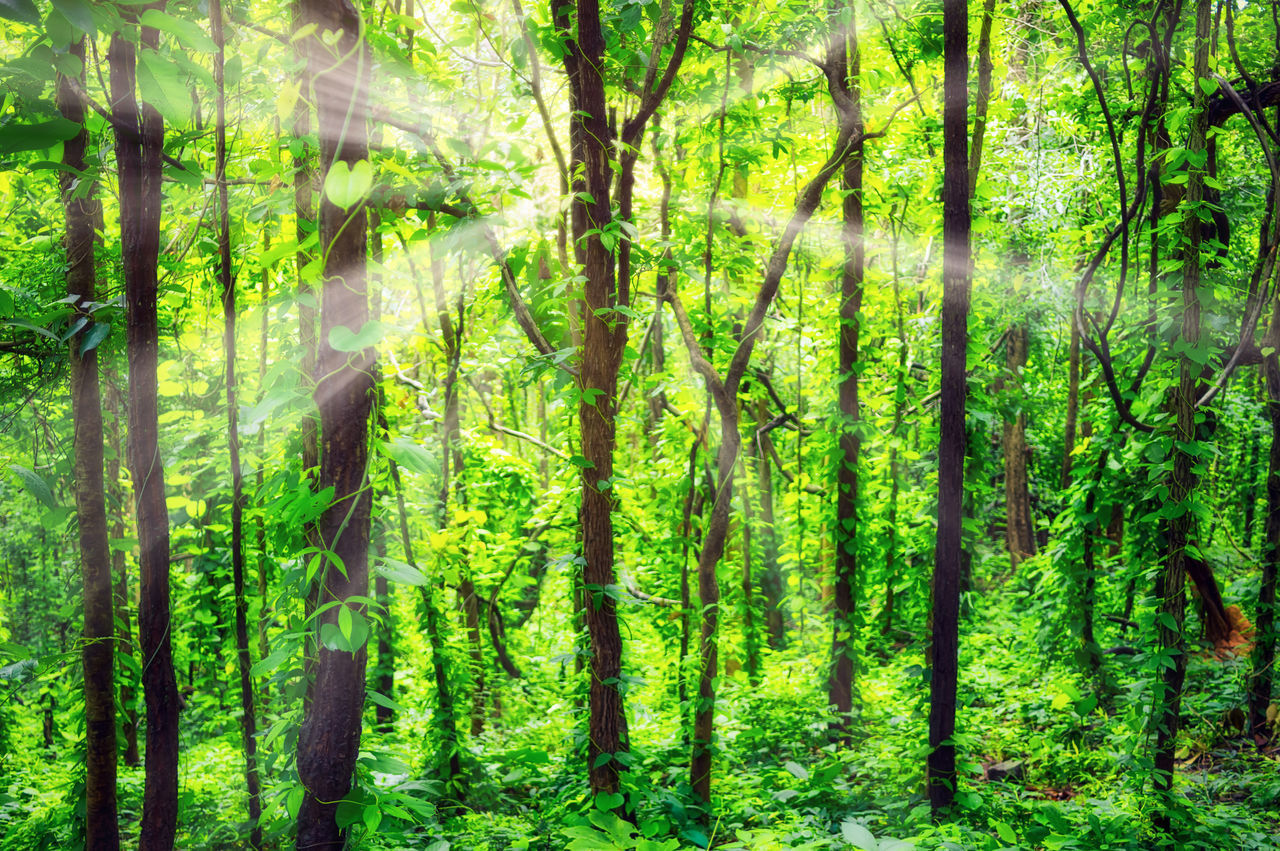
645	425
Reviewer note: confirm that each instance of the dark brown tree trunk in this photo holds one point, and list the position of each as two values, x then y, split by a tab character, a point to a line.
119	568
82	214
1020	539
956	276
139	146
329	740
1264	648
606	302
845	617
1182	479
226	281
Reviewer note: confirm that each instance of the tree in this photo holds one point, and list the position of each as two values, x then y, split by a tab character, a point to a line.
227	284
956	278
605	246
329	740
139	135
83	213
845	616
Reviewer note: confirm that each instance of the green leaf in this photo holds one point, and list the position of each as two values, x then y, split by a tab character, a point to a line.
858	836
187	32
34	483
399	571
344	622
382	700
94	337
602	759
78	12
270	663
1208	85
797	770
293	802
343	339
410	456
1005	832
22	11
334	637
608	800
164	86
15	138
345	184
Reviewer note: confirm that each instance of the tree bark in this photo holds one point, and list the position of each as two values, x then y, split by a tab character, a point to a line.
329	740
1182	479
607	287
845	617
139	132
956	277
1020	539
83	211
227	284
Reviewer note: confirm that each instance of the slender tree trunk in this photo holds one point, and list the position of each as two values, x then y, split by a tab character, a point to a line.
1182	479
82	213
1020	539
603	340
329	740
119	568
226	281
956	276
139	146
845	617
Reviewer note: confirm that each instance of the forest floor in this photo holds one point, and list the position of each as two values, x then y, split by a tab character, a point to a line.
1083	779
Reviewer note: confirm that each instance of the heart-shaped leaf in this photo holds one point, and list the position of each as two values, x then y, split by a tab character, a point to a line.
346	184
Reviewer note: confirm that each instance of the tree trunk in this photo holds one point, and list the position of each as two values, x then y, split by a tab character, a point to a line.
139	136
846	619
329	740
956	277
119	568
603	341
82	213
1182	479
1020	539
248	718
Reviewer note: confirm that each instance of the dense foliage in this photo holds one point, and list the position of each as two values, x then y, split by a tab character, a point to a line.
520	426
